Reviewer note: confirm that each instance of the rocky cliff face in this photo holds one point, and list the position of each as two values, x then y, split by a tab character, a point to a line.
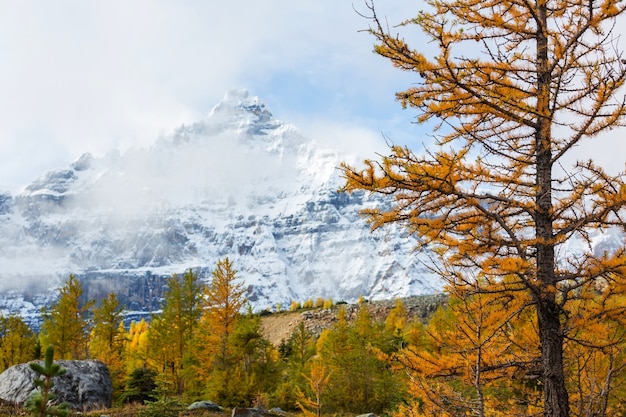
237	184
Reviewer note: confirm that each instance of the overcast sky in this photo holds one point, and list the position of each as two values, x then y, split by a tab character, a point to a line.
90	76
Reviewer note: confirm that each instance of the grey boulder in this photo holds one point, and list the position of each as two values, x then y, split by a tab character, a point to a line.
86	385
205	405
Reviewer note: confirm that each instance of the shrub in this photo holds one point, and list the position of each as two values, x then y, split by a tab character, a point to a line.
140	387
38	403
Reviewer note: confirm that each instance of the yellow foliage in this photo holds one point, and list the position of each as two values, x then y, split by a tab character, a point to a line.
225	298
295	305
510	97
137	346
473	355
317	379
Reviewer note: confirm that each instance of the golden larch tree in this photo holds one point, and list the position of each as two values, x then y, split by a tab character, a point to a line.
137	347
108	338
225	297
512	89
172	332
17	342
317	379
468	364
66	325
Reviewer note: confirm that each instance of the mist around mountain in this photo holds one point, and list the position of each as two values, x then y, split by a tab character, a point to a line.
238	184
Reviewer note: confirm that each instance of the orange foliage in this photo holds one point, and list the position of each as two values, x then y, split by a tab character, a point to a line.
225	299
514	87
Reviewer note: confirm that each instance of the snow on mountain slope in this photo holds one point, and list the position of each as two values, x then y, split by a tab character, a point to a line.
238	184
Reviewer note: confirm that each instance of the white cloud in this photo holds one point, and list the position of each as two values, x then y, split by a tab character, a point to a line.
79	76
90	76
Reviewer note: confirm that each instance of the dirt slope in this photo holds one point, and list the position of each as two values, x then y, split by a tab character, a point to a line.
279	326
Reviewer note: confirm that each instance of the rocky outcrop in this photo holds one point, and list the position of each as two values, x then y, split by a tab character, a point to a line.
279	327
85	386
418	307
205	405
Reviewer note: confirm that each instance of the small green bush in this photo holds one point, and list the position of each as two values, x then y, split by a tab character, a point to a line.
37	404
140	387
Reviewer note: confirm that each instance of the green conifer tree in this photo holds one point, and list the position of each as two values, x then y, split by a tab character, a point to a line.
38	403
360	380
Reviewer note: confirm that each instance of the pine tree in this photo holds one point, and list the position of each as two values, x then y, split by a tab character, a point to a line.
360	377
513	88
66	325
38	403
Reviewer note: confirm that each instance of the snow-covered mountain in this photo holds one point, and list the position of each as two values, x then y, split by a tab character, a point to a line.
238	184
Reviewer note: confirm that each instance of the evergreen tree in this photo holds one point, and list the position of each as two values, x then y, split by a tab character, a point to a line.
66	325
258	355
302	343
39	403
140	386
360	377
296	352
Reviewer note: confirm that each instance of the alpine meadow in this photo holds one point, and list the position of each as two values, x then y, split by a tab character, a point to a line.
537	317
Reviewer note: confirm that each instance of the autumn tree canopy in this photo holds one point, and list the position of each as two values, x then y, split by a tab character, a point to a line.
513	88
65	325
108	337
173	330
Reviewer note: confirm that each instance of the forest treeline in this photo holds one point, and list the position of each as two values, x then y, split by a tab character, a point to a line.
206	343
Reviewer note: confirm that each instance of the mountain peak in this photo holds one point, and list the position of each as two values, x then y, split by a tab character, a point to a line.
246	119
237	184
244	110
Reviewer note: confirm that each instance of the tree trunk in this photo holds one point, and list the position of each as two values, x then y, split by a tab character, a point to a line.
556	401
